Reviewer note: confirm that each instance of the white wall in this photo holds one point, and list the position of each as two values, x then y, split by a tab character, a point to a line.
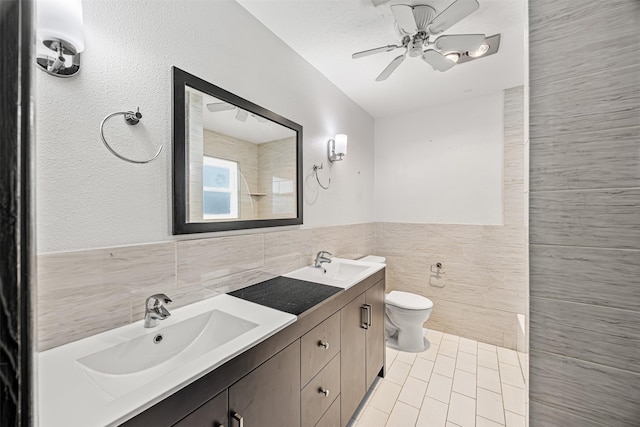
87	198
441	165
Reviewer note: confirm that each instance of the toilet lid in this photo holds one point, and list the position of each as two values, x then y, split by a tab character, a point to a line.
408	300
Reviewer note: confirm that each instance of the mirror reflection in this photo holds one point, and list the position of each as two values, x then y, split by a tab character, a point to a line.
241	166
236	165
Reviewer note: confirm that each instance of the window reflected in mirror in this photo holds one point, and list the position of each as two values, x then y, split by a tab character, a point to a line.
241	161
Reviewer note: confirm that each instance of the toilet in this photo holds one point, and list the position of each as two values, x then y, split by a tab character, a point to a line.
405	314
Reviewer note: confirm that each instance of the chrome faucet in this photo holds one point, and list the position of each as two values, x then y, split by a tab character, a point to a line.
320	258
154	310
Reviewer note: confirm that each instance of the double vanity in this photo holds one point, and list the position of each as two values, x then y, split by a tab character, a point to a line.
298	350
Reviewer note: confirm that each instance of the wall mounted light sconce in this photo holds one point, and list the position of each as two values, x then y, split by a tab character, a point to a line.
59	28
338	147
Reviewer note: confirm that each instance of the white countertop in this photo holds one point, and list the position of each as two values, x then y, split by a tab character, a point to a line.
68	397
71	395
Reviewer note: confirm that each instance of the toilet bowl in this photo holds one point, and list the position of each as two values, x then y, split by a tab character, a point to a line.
405	313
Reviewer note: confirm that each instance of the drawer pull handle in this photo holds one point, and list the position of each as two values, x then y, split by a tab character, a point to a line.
236	416
364	317
324	391
369	317
323	344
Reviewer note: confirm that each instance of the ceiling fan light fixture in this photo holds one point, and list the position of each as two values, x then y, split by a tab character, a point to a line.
415	47
453	56
484	48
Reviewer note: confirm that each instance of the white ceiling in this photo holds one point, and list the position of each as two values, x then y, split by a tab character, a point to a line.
251	130
327	32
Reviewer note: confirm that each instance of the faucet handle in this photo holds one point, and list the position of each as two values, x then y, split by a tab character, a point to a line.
323	253
159	299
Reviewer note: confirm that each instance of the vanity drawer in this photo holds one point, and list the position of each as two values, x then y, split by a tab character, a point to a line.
331	418
319	346
320	393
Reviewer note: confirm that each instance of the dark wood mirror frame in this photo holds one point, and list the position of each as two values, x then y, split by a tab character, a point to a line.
181	79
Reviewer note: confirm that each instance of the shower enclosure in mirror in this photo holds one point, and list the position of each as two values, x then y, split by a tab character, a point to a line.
236	165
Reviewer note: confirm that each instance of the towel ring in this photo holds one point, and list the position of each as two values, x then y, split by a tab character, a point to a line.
131	119
315	171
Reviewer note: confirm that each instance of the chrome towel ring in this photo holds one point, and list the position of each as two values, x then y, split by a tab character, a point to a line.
132	119
315	171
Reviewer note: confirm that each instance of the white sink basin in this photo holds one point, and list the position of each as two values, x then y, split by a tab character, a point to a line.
107	378
122	368
340	272
189	338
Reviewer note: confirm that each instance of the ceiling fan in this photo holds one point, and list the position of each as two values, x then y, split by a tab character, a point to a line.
417	24
241	114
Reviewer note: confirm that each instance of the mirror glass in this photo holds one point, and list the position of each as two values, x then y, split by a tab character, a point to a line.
236	164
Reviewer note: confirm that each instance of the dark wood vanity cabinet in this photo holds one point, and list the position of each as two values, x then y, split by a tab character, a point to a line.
362	347
270	395
314	372
211	414
375	347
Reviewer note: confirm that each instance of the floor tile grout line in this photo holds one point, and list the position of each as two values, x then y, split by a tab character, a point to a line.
448	404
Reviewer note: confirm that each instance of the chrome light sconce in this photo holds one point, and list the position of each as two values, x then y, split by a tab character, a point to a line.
59	36
337	147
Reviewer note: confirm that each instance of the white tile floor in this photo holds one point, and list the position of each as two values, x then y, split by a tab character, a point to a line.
457	382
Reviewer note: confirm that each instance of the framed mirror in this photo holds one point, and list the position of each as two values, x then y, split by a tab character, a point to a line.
236	165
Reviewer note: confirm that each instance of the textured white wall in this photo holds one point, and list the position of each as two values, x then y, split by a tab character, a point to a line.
87	198
441	165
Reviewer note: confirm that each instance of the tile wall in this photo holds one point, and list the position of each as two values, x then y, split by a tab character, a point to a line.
585	213
483	284
83	293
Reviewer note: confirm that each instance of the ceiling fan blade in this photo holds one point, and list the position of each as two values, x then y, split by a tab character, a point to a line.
378	2
459	42
423	15
384	75
242	115
456	11
404	18
374	51
437	60
219	106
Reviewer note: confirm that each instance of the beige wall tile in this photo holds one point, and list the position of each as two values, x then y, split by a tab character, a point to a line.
201	261
485	280
87	292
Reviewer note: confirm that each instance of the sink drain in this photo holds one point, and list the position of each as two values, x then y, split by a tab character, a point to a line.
158	339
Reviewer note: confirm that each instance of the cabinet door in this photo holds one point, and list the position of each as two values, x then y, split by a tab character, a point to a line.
375	333
211	414
352	357
270	395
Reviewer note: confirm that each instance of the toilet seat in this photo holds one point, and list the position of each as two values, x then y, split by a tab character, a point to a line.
408	301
